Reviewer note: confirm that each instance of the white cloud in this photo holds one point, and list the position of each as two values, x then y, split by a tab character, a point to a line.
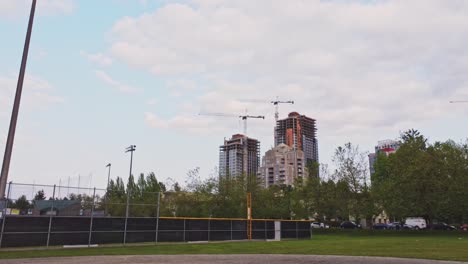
154	121
19	8
353	65
116	84
191	123
37	94
99	58
152	101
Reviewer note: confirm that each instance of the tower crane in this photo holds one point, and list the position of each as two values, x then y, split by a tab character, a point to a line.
243	117
275	102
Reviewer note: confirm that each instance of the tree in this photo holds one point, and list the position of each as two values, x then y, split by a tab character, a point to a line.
40	195
352	169
421	179
22	203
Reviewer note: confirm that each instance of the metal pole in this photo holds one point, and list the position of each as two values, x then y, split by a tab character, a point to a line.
209	221
126	215
231	229
4	214
16	105
92	216
108	175
50	218
157	219
297	232
131	162
107	189
130	149
184	230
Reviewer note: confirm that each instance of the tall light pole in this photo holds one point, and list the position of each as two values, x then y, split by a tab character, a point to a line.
107	189
14	115
130	149
108	175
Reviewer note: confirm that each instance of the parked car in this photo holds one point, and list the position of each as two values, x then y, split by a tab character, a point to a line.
380	226
349	225
464	227
416	222
315	225
318	225
407	227
442	226
395	226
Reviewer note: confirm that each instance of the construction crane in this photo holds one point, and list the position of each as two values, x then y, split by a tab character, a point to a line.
243	117
275	102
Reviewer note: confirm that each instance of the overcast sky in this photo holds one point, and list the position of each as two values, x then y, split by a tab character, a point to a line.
102	75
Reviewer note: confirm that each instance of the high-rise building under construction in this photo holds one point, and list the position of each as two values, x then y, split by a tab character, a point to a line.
300	133
239	155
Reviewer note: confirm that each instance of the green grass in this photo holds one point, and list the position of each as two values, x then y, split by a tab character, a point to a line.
447	246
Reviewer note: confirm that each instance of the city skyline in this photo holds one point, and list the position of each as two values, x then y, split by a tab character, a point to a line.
141	72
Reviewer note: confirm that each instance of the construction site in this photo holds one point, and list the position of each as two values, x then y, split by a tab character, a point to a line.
299	132
239	155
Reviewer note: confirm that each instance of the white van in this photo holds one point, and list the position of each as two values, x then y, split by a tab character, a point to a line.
416	222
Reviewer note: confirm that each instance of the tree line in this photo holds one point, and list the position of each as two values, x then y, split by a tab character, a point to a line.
419	179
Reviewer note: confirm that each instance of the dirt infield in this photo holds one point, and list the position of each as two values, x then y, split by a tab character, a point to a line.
225	259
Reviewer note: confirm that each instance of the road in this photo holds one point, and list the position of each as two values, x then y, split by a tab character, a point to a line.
225	259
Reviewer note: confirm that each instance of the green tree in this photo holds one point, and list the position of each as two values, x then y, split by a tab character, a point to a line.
40	195
22	203
352	169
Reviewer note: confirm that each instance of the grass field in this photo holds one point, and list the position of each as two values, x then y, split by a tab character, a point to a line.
440	246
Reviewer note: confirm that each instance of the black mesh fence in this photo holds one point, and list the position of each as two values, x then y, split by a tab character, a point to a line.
21	231
42	215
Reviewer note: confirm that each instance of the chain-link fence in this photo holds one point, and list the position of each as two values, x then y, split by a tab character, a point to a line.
45	215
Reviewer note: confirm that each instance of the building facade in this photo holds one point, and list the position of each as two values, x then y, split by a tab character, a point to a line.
387	147
282	165
300	133
239	155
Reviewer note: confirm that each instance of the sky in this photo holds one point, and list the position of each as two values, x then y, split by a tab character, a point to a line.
103	75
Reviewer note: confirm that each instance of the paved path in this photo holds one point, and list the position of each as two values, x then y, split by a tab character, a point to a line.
225	259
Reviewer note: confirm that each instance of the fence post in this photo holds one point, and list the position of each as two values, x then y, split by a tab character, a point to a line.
50	218
231	230
4	213
157	220
92	216
209	221
126	215
266	233
184	229
297	231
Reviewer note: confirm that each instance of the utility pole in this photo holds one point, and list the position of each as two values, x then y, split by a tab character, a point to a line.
16	105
